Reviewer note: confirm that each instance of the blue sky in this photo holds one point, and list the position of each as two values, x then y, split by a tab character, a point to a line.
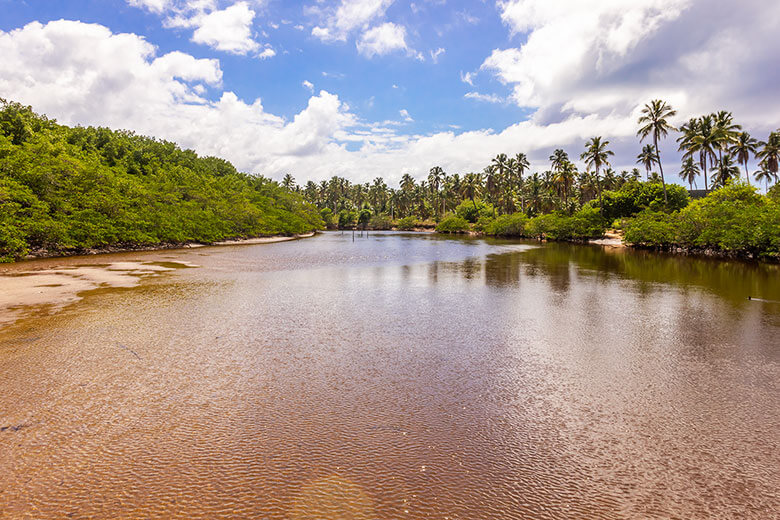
381	87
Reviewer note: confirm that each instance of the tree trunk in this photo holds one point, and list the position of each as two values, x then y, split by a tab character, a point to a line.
747	172
660	167
598	187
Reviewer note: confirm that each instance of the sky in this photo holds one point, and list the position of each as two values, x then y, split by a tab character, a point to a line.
368	88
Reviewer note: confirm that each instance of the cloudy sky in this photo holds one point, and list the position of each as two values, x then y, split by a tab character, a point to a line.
366	88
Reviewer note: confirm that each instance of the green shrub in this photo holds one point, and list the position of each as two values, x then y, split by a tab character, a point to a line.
408	223
634	197
453	224
650	228
472	211
508	225
380	222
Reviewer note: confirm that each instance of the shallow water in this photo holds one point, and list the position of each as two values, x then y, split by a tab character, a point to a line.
396	376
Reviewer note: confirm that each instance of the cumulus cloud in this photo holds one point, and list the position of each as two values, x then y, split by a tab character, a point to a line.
228	30
382	39
336	24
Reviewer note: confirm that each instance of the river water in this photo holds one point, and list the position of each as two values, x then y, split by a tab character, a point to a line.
393	376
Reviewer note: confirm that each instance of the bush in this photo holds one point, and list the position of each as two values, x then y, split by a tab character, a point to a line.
584	224
650	228
634	197
408	223
380	222
453	224
472	211
508	225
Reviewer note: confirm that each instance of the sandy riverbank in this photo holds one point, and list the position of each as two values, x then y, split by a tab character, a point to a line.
47	285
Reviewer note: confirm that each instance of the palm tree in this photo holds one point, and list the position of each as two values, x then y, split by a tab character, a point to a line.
725	171
471	187
435	178
564	179
743	146
699	136
647	158
765	175
654	122
288	182
769	154
558	159
689	171
596	155
726	131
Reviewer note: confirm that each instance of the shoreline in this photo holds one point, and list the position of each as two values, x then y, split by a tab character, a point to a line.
161	247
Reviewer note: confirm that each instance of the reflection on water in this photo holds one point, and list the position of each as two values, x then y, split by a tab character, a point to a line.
399	376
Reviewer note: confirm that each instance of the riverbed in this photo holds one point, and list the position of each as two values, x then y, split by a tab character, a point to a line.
390	375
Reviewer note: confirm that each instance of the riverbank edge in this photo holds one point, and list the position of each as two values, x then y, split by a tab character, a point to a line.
128	248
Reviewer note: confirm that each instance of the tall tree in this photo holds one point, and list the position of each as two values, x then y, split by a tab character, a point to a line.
471	187
699	136
435	179
689	171
647	158
654	122
769	154
742	147
596	155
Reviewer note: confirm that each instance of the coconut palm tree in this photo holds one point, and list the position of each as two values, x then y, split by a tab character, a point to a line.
564	180
699	136
725	171
726	131
647	158
471	187
595	156
654	122
769	153
558	159
288	182
435	179
689	171
743	146
765	175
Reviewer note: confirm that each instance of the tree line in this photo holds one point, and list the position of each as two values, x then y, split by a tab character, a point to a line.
712	147
71	189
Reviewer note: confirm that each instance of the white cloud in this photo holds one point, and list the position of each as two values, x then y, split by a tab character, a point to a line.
228	30
347	17
382	39
490	98
309	85
467	77
268	52
156	6
435	54
405	114
709	57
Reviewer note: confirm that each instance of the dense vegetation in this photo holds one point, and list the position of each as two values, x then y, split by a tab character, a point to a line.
68	189
564	203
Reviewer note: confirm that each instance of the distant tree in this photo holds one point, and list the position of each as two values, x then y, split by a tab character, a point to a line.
654	122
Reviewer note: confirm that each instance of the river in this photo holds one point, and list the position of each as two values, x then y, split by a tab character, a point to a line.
397	375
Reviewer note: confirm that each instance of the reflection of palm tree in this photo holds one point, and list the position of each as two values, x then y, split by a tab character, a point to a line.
654	122
595	156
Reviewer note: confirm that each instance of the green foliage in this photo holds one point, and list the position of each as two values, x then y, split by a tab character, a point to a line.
70	189
508	226
347	218
453	224
732	219
380	222
650	227
472	211
408	223
774	193
633	197
327	217
584	224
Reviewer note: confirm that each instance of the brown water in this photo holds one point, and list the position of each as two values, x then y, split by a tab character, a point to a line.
396	376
